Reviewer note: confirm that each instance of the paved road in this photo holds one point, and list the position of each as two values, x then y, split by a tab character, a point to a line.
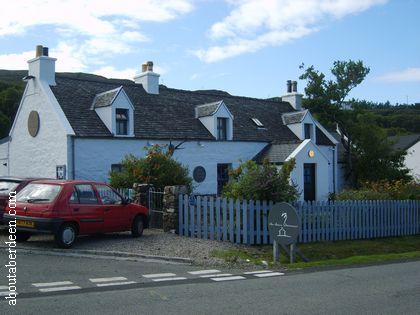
49	284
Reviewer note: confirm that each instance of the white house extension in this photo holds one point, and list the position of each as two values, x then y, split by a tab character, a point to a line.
81	126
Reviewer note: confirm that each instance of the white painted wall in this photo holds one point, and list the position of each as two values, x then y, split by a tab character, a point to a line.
4	147
412	160
321	173
93	157
105	114
38	156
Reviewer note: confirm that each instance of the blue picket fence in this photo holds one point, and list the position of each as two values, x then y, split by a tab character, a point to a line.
246	222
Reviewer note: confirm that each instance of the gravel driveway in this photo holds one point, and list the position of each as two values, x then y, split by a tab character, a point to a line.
153	242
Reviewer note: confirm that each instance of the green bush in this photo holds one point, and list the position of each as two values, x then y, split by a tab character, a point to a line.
261	182
158	168
383	190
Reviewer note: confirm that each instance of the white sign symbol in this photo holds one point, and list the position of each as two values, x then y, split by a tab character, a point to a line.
282	231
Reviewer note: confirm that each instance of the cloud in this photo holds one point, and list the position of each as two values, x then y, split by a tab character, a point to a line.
111	72
407	75
88	31
255	24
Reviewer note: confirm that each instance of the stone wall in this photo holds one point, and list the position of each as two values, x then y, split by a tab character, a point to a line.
170	207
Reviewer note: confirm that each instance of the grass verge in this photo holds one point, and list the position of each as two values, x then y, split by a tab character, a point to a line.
339	253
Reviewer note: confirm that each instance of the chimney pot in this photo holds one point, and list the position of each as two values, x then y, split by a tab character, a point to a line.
39	51
289	86
45	51
143	67
294	86
150	66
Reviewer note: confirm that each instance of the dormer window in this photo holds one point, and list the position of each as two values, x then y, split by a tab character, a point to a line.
222	128
217	119
308	131
121	117
116	111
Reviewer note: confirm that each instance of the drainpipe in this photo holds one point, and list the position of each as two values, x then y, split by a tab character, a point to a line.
73	163
333	150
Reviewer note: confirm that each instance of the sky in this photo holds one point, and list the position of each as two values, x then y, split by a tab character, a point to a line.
244	47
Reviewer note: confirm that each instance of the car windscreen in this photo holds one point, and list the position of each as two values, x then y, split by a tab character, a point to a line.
7	186
38	193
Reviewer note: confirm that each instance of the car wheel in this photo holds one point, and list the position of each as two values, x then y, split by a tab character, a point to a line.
22	236
66	235
137	227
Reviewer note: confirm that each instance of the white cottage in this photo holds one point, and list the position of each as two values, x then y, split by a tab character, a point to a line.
81	127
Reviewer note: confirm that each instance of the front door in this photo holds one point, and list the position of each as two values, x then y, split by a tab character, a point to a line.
309	181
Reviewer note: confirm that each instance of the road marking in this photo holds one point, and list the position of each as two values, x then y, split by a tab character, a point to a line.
51	284
271	274
159	275
256	272
5	293
169	279
59	289
114	283
203	272
107	279
228	278
216	275
4	287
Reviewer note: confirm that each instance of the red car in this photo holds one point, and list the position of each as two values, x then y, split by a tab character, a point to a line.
8	184
70	208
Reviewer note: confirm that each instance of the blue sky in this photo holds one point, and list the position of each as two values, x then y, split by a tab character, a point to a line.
248	47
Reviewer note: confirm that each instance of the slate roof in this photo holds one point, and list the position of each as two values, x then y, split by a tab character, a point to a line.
322	139
276	153
294	117
207	109
105	98
402	143
171	114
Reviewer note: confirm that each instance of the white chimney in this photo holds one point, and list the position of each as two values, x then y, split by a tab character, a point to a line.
148	78
42	67
292	96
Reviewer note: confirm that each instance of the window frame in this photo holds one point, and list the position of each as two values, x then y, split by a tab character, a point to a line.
121	122
222	128
222	181
75	189
307	128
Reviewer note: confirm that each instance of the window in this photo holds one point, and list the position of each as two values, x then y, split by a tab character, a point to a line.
84	194
6	186
258	122
222	176
222	128
308	131
116	168
108	195
38	193
121	116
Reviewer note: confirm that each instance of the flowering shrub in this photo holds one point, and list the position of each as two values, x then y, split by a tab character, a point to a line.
389	190
157	168
262	182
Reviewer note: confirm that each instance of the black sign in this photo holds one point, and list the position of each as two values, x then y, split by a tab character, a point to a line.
283	223
199	174
60	171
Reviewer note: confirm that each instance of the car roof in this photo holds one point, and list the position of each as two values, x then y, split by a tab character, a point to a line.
65	182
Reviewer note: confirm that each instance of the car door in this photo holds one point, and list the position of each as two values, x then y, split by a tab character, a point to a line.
116	214
86	209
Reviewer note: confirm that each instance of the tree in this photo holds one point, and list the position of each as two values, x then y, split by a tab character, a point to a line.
358	130
157	168
262	182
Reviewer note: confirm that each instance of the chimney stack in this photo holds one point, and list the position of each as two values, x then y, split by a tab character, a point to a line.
148	79
42	67
289	86
292	96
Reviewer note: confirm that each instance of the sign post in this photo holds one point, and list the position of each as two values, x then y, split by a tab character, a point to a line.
284	227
